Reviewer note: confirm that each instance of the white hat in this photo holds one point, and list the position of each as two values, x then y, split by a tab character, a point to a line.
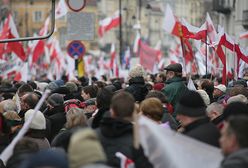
204	96
137	71
237	98
221	87
38	122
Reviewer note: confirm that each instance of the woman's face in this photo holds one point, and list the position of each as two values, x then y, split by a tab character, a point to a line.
85	95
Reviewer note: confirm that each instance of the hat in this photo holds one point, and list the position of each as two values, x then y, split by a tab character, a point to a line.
204	96
191	104
55	100
158	86
81	141
52	86
174	67
137	71
221	87
71	86
38	122
237	98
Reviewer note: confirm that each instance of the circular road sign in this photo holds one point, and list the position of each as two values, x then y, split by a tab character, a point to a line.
76	5
76	49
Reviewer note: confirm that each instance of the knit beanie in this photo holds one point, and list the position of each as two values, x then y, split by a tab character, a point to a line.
84	149
191	104
52	86
55	100
38	122
71	86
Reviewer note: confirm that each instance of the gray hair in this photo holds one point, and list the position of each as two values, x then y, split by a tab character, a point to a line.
9	105
217	107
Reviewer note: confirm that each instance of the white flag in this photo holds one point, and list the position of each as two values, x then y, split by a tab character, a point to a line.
166	148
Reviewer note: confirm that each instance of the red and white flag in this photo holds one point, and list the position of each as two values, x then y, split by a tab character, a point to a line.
39	46
9	31
22	74
243	35
109	23
61	9
212	34
125	162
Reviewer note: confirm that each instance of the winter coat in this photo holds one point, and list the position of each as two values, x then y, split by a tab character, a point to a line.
173	90
57	118
137	88
238	159
39	137
204	131
98	165
4	142
116	135
95	121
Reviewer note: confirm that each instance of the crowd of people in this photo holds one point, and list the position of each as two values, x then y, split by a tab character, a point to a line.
84	122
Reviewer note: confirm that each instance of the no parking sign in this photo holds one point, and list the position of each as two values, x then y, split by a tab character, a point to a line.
76	49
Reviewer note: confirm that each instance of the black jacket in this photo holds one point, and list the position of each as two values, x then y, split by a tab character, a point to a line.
203	130
96	120
137	88
57	118
238	159
116	136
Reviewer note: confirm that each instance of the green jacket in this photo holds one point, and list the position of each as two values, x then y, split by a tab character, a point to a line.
173	90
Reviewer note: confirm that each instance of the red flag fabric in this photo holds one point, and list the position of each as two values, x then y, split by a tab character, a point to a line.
109	23
243	35
148	56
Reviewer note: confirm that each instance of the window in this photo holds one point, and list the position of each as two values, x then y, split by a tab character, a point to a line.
37	16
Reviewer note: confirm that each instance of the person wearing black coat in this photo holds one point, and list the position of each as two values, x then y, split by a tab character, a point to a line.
191	113
116	131
55	113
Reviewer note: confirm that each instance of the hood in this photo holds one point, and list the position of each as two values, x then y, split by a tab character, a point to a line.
111	127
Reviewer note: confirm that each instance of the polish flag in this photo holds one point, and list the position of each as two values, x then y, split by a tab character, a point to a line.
113	56
109	23
212	34
243	35
39	46
9	31
61	9
22	75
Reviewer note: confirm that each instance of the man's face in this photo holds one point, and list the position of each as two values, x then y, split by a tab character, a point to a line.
169	75
228	142
24	106
217	93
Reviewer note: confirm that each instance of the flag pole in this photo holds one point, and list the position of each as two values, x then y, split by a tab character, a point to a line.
182	45
206	53
120	31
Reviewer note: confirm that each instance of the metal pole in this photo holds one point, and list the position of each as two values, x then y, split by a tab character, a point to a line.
120	31
206	53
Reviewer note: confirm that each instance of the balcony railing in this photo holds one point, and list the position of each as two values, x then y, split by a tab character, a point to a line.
245	19
223	6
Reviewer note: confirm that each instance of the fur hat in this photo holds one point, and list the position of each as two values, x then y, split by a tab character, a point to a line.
84	149
38	122
204	96
191	104
137	71
55	100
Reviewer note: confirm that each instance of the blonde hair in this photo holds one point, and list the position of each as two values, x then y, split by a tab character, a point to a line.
75	117
152	108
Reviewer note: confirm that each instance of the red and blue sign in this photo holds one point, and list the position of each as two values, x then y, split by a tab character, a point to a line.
76	49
